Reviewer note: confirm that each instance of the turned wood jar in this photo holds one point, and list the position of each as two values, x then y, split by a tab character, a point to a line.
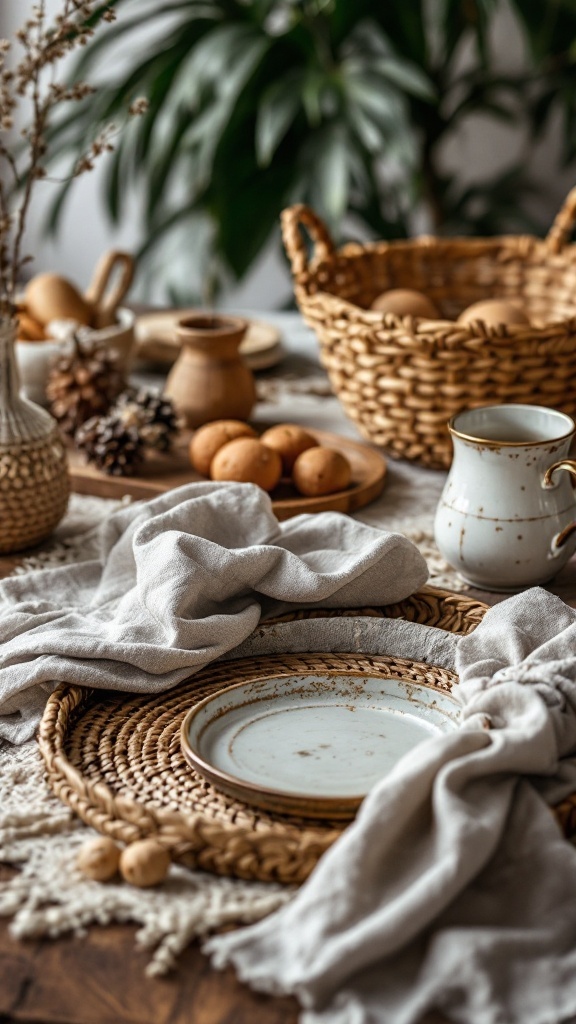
209	380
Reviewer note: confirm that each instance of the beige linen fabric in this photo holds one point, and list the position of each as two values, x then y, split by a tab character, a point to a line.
178	582
454	888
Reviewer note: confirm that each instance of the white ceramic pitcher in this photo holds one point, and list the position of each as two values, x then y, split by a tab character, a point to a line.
506	518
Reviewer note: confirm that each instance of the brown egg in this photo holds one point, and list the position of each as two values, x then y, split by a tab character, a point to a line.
246	460
289	441
211	437
494	312
321	471
51	297
406	302
29	329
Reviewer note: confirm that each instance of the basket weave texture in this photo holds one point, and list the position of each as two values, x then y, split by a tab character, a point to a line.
34	490
115	759
400	379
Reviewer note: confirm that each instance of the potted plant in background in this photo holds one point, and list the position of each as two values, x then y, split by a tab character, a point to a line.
345	105
34	485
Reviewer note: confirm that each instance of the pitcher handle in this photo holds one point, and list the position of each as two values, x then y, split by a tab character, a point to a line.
569	465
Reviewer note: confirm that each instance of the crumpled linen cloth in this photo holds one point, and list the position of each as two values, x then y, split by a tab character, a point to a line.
180	581
454	888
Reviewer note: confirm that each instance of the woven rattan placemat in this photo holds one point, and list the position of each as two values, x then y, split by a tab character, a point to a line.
115	759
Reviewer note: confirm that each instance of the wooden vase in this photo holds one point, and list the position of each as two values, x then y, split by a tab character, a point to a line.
209	380
34	482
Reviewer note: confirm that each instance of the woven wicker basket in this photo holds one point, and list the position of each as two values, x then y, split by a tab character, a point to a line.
400	379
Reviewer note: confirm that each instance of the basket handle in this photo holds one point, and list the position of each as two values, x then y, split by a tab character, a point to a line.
293	219
112	279
564	221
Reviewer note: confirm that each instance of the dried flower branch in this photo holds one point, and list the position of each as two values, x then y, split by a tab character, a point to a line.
31	85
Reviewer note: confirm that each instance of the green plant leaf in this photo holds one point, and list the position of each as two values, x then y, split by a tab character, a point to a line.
165	161
100	46
330	172
368	132
313	85
344	105
278	108
406	24
406	76
245	228
214	59
376	98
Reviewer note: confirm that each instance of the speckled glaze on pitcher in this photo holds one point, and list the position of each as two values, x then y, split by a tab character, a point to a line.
506	518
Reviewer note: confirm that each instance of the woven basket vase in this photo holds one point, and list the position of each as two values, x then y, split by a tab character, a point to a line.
400	379
34	481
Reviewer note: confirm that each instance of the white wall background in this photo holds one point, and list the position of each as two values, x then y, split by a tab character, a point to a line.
481	148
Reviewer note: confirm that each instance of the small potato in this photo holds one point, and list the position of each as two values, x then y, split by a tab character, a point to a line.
289	441
144	863
248	461
99	858
321	471
211	437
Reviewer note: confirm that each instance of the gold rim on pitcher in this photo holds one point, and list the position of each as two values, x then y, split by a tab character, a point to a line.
493	443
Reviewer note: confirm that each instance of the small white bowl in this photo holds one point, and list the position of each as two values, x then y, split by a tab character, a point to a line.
35	358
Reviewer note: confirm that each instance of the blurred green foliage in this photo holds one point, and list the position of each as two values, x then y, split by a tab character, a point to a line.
342	104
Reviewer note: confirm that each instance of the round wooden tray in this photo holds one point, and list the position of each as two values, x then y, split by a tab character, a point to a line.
163	472
116	759
156	340
368	478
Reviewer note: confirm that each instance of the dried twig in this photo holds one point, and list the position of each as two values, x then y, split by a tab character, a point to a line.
31	83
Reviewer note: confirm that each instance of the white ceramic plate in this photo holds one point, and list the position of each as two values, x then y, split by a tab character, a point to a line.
311	745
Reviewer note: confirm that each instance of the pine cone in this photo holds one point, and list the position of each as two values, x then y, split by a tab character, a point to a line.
112	446
82	384
153	415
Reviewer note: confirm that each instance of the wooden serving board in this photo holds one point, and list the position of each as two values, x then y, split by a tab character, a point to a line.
164	472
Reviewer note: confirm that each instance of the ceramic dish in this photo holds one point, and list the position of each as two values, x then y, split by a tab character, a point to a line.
156	340
314	744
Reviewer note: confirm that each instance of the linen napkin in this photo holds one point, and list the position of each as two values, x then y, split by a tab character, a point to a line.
180	581
454	888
